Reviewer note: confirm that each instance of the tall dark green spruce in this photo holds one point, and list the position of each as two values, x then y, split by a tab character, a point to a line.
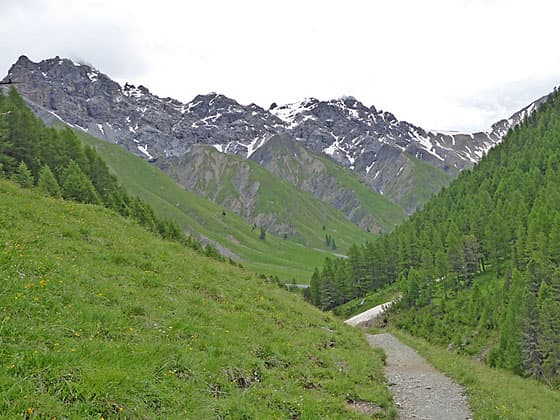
47	183
479	266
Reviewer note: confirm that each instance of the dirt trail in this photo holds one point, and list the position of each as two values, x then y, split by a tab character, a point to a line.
419	390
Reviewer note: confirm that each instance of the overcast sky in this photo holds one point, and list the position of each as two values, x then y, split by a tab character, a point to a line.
441	64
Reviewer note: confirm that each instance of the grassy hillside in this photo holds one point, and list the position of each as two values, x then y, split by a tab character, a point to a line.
262	198
386	214
417	185
330	182
273	256
99	318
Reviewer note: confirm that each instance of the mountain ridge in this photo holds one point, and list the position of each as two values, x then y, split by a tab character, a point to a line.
361	138
261	198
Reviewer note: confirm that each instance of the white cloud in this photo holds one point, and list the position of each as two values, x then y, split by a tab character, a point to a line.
439	64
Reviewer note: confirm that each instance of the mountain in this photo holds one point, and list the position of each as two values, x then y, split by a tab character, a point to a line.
479	267
144	123
100	172
372	143
101	319
343	189
204	219
384	149
265	200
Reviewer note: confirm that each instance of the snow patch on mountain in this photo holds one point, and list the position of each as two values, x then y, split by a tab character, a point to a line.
144	150
254	146
290	112
93	76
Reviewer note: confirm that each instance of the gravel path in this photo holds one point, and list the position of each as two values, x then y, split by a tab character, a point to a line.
419	390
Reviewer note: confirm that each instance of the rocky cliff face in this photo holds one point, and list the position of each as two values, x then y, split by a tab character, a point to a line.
344	190
144	123
263	199
373	143
382	148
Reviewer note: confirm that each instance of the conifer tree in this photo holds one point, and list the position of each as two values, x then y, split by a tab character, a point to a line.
549	332
47	183
23	176
510	333
6	161
327	291
314	287
77	186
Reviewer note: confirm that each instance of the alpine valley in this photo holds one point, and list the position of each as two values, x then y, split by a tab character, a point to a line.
322	174
404	163
141	240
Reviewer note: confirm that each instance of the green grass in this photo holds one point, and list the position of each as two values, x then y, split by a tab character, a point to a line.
302	167
99	318
386	214
296	213
421	183
493	393
288	260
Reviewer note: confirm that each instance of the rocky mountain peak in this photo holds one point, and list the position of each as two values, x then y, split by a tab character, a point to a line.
22	61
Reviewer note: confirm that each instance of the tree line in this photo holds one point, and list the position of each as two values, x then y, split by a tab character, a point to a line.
56	163
479	266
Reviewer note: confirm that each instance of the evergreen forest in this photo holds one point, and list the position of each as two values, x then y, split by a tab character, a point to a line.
479	267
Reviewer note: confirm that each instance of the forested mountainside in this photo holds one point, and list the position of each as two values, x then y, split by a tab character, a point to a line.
56	162
479	267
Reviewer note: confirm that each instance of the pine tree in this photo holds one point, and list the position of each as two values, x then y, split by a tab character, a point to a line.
412	288
327	291
315	286
47	183
471	257
77	186
455	256
510	331
143	214
6	161
532	357
549	332
23	176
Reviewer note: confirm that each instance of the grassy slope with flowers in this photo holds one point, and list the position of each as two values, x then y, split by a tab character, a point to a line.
99	318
